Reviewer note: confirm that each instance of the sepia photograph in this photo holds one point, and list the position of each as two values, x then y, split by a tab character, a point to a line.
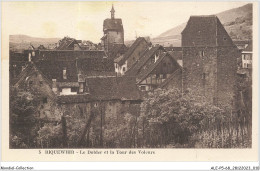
129	81
105	77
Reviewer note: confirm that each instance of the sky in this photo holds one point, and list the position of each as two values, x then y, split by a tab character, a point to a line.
84	20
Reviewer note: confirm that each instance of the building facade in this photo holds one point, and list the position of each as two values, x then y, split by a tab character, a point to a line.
132	55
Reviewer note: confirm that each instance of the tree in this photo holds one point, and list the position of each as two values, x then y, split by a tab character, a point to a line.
23	118
173	117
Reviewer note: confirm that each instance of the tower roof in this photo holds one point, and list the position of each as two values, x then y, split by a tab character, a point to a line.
205	30
112	9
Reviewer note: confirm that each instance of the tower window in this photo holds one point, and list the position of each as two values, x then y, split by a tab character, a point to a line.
164	76
202	53
204	76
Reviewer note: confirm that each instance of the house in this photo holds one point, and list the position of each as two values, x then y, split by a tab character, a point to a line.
41	47
68	74
209	60
31	79
152	76
149	56
176	53
68	43
155	67
247	55
113	31
132	55
17	63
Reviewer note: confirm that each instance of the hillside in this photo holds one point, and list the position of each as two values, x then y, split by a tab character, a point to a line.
237	22
20	42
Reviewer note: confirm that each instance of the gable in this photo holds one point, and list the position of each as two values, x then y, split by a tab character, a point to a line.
200	31
134	49
205	31
223	39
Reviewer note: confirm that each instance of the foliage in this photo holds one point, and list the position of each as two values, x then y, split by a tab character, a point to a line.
23	118
175	117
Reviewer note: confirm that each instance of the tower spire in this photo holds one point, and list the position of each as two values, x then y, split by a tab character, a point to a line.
112	12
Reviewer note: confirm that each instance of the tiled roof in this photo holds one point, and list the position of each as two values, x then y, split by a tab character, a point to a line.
96	64
173	48
113	24
147	71
205	30
145	57
66	42
142	75
130	50
116	49
29	69
68	84
176	73
114	88
177	55
79	98
54	70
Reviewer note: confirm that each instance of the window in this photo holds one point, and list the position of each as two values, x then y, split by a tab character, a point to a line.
204	76
74	89
44	100
201	53
224	38
64	73
133	58
142	88
95	105
153	59
123	69
41	82
164	76
30	82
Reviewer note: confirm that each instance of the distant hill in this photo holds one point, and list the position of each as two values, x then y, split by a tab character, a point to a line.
21	42
237	22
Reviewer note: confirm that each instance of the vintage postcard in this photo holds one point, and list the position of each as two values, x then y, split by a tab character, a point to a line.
129	81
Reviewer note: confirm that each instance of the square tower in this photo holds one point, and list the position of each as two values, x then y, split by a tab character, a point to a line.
113	31
209	60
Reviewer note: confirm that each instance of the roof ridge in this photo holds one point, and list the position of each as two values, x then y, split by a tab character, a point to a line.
152	67
131	50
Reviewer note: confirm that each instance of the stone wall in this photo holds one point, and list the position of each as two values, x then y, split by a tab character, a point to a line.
211	72
226	77
199	71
